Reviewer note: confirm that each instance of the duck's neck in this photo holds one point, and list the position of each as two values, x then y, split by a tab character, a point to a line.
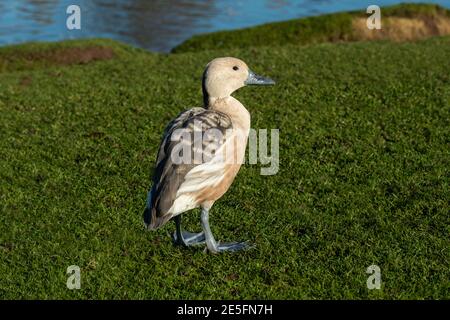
239	115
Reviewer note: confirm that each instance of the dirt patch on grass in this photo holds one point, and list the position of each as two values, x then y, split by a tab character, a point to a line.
402	29
68	56
59	56
25	81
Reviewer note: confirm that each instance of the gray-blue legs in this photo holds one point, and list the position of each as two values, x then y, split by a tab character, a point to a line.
211	243
186	238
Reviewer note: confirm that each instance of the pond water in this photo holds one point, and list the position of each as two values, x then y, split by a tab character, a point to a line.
156	25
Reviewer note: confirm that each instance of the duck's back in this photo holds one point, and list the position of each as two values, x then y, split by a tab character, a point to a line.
178	175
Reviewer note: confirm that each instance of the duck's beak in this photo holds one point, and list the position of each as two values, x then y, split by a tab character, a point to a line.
254	79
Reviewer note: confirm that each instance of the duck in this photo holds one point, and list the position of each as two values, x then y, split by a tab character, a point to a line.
200	154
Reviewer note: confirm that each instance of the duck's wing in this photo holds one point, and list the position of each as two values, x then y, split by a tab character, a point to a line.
170	172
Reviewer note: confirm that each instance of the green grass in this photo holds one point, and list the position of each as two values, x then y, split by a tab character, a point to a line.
310	30
364	176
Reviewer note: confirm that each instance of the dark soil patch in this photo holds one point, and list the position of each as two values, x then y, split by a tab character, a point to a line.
69	56
60	57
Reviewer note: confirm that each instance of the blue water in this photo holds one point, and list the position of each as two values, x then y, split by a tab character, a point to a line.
156	25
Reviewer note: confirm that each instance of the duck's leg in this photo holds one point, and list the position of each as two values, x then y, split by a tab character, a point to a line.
211	243
186	238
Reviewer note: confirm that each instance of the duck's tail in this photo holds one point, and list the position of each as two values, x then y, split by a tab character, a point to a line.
151	219
148	219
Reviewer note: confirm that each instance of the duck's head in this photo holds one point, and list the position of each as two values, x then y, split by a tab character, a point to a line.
223	76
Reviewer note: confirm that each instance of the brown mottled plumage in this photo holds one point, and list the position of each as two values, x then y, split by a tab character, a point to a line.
169	176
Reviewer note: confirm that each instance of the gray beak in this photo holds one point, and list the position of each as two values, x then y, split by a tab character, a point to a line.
254	79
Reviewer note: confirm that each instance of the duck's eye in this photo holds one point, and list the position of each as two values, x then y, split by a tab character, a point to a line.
235	68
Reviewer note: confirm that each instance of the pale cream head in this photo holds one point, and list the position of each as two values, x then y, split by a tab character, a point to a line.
223	76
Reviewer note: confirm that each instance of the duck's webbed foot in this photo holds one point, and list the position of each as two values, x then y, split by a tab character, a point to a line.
230	246
216	247
186	238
